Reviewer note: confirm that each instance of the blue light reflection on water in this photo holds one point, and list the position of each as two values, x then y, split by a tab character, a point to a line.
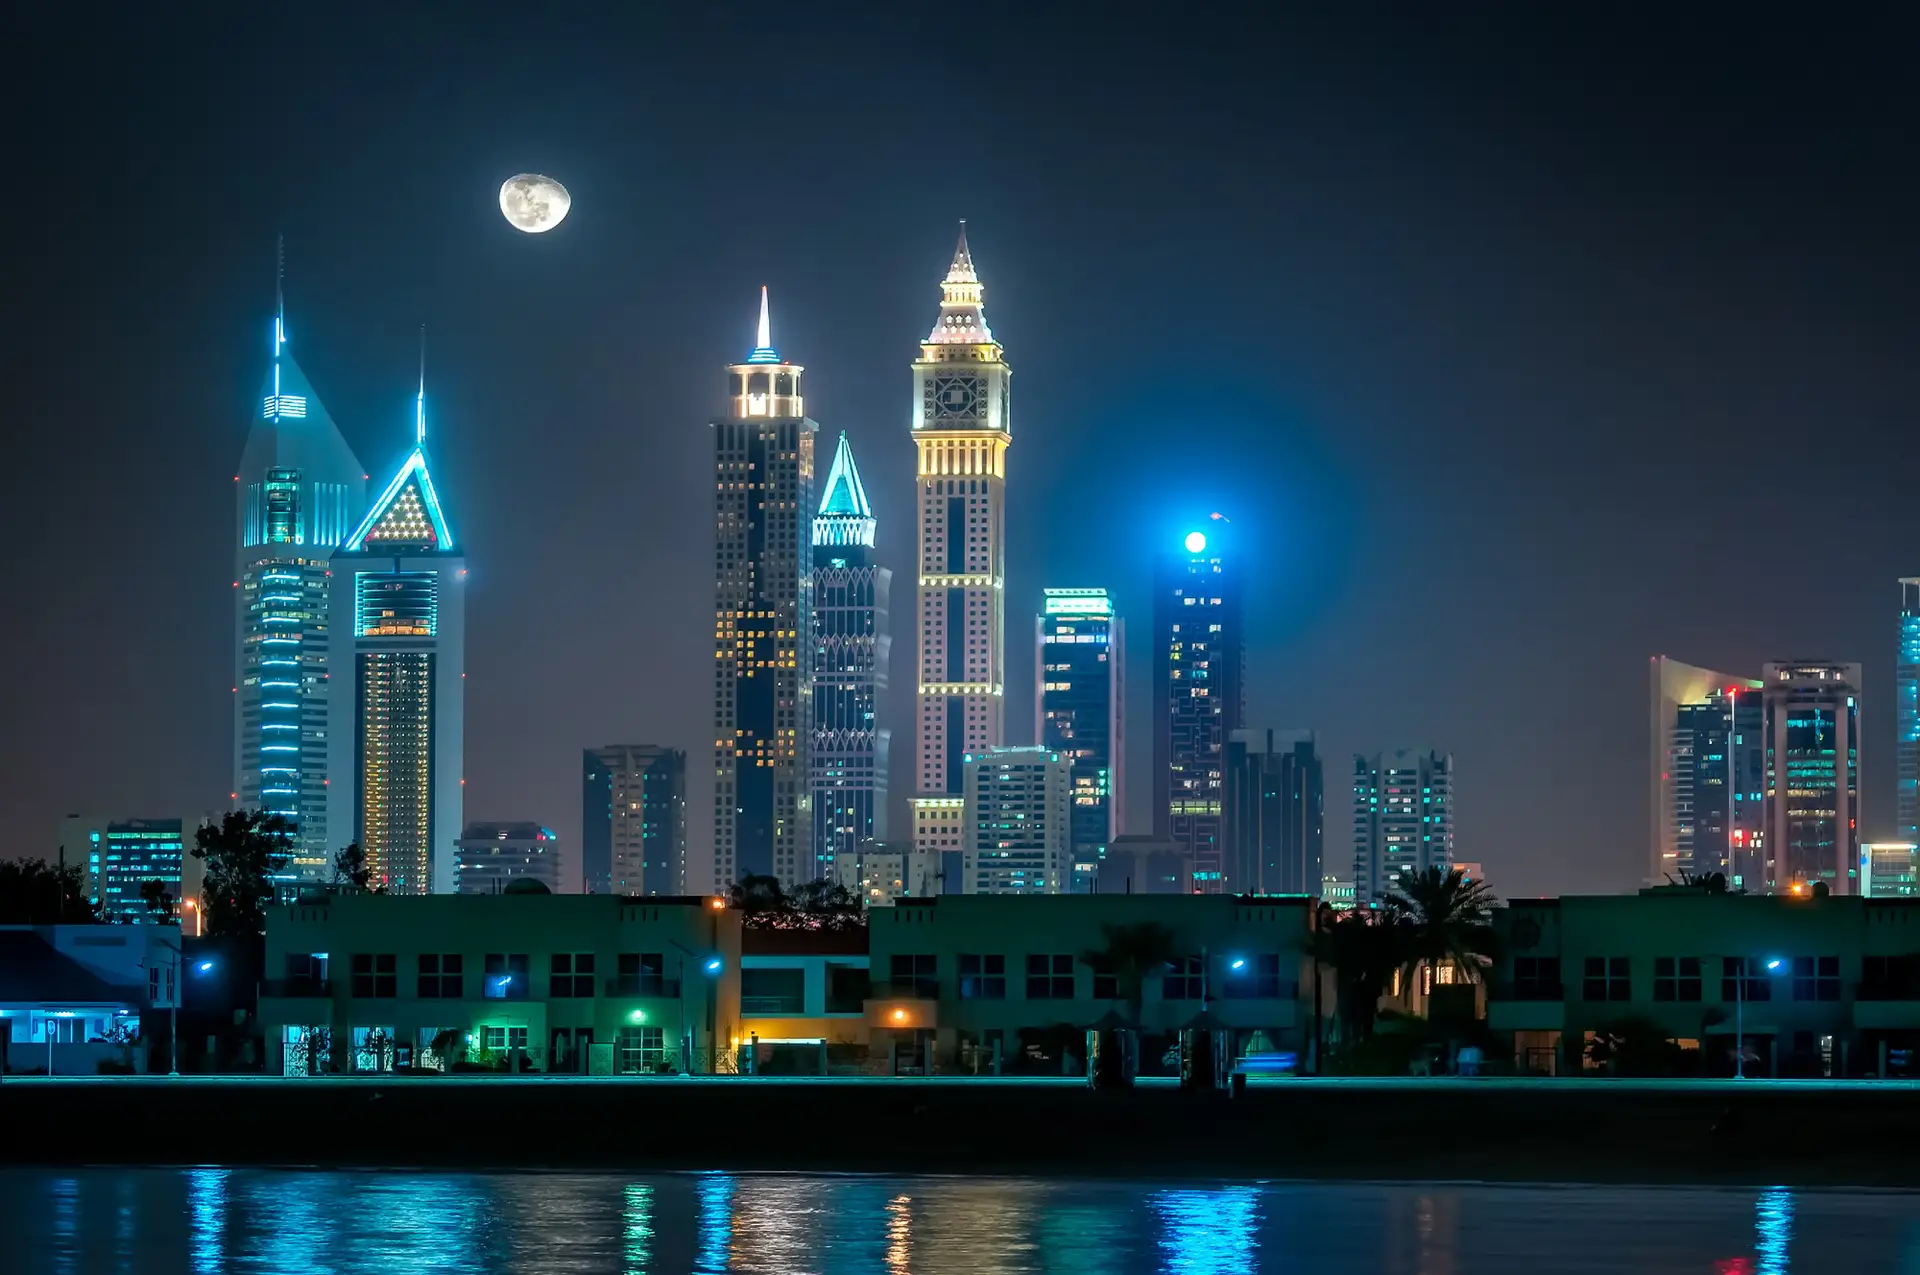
213	1221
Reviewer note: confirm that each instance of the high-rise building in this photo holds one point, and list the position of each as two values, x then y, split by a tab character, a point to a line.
1906	675
1811	733
398	659
489	857
1705	782
1889	869
850	649
1276	812
1199	658
297	492
119	856
1079	705
1402	818
882	873
633	820
1018	836
763	622
961	431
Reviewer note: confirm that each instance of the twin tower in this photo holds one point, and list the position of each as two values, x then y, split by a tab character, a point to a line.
800	607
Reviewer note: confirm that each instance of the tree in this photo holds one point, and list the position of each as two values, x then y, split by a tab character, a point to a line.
35	892
243	853
765	904
1448	920
159	901
1132	954
350	867
1363	947
1634	1045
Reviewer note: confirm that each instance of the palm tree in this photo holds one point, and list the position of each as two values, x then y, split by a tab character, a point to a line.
1364	947
1132	954
1448	920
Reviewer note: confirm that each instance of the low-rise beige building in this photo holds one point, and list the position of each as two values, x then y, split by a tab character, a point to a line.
579	983
1810	986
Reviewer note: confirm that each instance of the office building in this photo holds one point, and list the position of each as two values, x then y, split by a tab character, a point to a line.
1705	781
880	873
1276	812
398	660
1079	706
1338	893
1889	869
961	431
1017	832
1199	658
763	622
633	820
850	652
1402	818
1811	731
297	492
489	857
1906	675
119	856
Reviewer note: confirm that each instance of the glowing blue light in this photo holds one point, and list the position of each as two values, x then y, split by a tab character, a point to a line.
280	704
279	748
1774	963
278	726
1237	963
294	685
279	619
713	965
416	463
1195	542
281	641
205	966
280	597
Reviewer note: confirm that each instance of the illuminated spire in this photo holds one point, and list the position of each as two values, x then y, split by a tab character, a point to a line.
845	517
420	399
279	294
286	394
764	351
961	321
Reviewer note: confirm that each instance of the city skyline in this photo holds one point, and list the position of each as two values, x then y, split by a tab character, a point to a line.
1441	398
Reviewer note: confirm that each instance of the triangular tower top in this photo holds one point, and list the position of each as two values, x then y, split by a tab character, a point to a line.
407	516
763	351
961	321
844	495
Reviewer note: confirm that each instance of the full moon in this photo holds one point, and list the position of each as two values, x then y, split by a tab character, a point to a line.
534	203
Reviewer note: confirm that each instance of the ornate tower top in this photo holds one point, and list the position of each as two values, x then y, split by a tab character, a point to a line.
845	517
961	320
766	384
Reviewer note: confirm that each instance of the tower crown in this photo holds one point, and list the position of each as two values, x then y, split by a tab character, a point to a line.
962	320
845	517
766	384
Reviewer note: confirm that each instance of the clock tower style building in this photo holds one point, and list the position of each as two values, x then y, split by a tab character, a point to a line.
961	430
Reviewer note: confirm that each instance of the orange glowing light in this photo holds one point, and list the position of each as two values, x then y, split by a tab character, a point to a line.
716	904
899	1015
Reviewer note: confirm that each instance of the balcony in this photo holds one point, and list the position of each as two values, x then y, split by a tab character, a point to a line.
296	987
644	987
767	1006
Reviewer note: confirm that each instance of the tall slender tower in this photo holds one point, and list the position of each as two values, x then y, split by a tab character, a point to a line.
850	647
961	430
297	491
763	622
1906	710
1199	661
399	685
1079	707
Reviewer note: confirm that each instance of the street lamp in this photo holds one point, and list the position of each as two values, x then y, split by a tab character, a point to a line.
712	964
1772	966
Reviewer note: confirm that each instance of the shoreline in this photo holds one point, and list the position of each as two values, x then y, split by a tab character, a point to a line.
1572	1132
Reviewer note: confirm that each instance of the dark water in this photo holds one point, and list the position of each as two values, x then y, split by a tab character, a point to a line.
372	1223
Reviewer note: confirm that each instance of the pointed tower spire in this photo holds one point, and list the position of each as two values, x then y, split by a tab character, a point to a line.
845	517
279	294
961	321
763	352
961	271
420	399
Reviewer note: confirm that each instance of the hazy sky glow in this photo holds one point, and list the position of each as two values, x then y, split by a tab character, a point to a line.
1518	349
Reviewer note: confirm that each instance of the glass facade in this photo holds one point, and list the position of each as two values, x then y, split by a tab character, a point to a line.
1811	740
1080	662
1907	714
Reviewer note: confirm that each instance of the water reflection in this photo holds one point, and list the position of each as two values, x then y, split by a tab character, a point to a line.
213	1221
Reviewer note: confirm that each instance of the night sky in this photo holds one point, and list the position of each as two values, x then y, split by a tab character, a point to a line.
1519	348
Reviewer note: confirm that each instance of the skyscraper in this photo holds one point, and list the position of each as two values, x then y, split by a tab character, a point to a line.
763	622
1402	817
1079	702
633	820
119	856
961	431
1276	812
1704	778
489	857
1199	658
1018	836
297	492
398	655
850	648
1906	675
1811	734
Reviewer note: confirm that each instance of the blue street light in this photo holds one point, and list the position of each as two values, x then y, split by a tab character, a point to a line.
205	966
1772	965
1237	963
713	965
